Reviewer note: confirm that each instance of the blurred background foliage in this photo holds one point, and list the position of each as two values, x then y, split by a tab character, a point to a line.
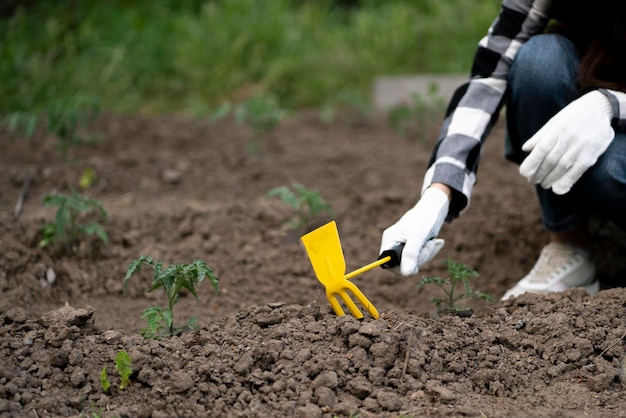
192	56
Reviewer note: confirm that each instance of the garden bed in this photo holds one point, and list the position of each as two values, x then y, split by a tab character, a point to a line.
268	343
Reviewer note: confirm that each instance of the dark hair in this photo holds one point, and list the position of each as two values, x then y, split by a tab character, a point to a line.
598	28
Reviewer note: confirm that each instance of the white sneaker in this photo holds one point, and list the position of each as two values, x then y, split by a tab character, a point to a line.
559	267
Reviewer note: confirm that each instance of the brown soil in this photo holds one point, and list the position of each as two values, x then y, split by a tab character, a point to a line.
268	344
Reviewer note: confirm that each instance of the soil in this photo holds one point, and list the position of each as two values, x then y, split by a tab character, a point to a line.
268	343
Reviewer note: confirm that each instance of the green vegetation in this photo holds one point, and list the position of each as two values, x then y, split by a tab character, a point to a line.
94	411
305	203
172	280
63	117
104	380
261	113
459	273
419	115
66	231
194	55
122	365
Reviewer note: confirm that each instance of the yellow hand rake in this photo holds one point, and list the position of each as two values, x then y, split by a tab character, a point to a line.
324	250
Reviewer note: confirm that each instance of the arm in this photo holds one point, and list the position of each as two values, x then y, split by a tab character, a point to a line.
475	106
472	111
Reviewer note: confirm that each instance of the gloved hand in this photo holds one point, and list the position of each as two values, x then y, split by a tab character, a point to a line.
569	143
417	230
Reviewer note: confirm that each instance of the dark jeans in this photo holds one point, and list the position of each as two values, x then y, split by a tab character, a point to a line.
542	80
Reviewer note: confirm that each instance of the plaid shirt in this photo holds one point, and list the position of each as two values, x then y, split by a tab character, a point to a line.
475	106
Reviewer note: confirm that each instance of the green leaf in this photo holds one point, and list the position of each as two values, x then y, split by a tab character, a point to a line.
192	323
436	280
122	365
285	195
104	380
95	229
221	111
483	296
13	121
168	317
154	316
134	266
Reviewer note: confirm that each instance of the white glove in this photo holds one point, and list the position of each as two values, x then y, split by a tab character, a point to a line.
417	230
569	143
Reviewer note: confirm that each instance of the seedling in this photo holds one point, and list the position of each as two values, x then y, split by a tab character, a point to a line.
93	412
104	380
63	118
306	204
418	115
66	230
172	280
262	113
459	273
353	101
122	365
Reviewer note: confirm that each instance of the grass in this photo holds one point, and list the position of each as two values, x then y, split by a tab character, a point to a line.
191	56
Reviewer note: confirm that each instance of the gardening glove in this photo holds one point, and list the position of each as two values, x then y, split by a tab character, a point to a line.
569	143
412	240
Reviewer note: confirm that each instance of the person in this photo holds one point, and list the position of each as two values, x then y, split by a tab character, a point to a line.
560	68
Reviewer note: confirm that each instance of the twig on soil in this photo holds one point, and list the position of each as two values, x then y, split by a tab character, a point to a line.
22	197
611	346
406	357
411	323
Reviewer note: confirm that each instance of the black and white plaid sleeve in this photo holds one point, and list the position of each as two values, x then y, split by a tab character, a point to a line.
474	107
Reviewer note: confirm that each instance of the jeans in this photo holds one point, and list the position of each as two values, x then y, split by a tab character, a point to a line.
542	80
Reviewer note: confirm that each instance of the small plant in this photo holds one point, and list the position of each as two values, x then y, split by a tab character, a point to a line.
104	380
352	101
66	230
306	204
172	280
419	115
94	412
63	118
262	113
122	365
459	273
24	122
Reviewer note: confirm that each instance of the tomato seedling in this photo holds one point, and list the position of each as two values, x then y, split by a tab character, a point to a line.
305	203
122	365
172	280
261	113
459	273
66	230
63	117
104	380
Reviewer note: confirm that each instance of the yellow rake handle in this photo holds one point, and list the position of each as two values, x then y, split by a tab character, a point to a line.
366	268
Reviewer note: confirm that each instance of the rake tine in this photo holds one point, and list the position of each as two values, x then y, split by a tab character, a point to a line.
364	301
361	297
335	304
354	310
